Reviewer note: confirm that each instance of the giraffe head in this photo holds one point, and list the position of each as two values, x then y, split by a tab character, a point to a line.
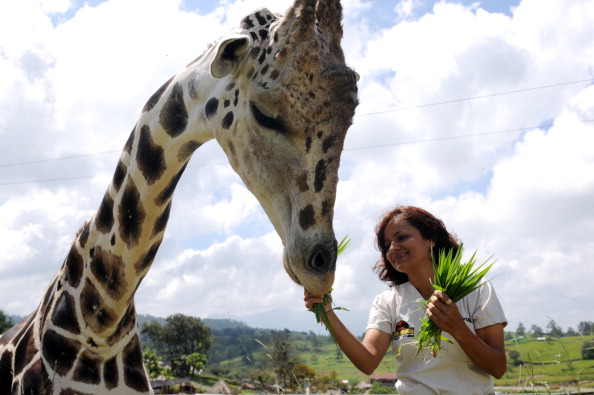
295	99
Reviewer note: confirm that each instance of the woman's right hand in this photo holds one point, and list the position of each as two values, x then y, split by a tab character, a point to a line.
311	299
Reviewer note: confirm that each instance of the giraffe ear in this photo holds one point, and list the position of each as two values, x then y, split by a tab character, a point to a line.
229	55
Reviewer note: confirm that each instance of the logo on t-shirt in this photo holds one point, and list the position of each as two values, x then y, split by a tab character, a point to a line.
402	330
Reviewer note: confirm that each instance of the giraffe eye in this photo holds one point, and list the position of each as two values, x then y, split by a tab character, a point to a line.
265	120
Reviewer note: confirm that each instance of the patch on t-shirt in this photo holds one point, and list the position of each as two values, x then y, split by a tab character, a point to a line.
402	330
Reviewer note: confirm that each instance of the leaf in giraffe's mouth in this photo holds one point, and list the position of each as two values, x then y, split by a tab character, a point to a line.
319	309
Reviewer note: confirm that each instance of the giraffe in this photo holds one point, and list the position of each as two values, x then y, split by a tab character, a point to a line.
276	95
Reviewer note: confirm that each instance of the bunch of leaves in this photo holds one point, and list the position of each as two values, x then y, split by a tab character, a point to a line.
455	279
319	309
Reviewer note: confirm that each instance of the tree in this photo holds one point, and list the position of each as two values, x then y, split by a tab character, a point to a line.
315	341
338	355
536	330
182	335
586	328
5	322
304	375
283	358
151	362
521	331
588	349
194	361
554	329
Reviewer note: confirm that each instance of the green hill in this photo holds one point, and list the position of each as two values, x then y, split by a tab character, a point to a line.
555	361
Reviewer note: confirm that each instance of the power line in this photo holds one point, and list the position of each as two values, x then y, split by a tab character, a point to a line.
462	136
356	115
34	162
545	126
478	97
91	176
54	179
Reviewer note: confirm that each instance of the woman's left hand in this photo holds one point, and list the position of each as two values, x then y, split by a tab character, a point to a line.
444	313
485	348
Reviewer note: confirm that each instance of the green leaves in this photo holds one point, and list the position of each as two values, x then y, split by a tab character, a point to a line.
456	279
319	309
343	245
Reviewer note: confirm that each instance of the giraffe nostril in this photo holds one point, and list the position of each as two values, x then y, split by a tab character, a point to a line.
322	259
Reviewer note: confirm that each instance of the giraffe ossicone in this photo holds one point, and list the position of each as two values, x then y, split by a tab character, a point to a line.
277	96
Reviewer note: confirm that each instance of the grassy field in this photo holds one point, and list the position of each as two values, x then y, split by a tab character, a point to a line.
554	363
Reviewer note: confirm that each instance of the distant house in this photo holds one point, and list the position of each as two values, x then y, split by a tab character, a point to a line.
163	385
363	386
388	379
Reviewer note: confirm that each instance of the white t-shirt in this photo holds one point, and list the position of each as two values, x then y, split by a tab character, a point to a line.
397	312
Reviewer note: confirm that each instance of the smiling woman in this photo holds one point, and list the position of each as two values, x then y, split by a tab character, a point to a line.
408	237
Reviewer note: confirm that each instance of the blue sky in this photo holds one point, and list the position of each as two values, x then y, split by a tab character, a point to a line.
480	112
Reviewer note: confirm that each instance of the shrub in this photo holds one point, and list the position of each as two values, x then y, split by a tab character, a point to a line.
588	349
379	388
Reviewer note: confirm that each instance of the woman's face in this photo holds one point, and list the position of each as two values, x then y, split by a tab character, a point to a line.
407	250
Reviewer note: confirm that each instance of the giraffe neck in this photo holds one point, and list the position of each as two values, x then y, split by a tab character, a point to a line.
89	307
115	250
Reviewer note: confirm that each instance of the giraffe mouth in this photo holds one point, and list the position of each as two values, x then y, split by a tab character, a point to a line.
316	273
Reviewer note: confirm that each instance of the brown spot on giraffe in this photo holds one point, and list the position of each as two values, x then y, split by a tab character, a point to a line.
130	142
59	351
5	373
104	220
212	105
131	214
65	314
161	222
147	260
307	217
96	313
74	267
109	272
320	175
149	156
174	114
166	194
36	381
25	350
134	375
154	99
187	150
88	368
83	236
228	120
111	374
302	182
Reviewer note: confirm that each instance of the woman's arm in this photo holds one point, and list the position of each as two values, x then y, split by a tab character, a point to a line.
486	348
366	355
